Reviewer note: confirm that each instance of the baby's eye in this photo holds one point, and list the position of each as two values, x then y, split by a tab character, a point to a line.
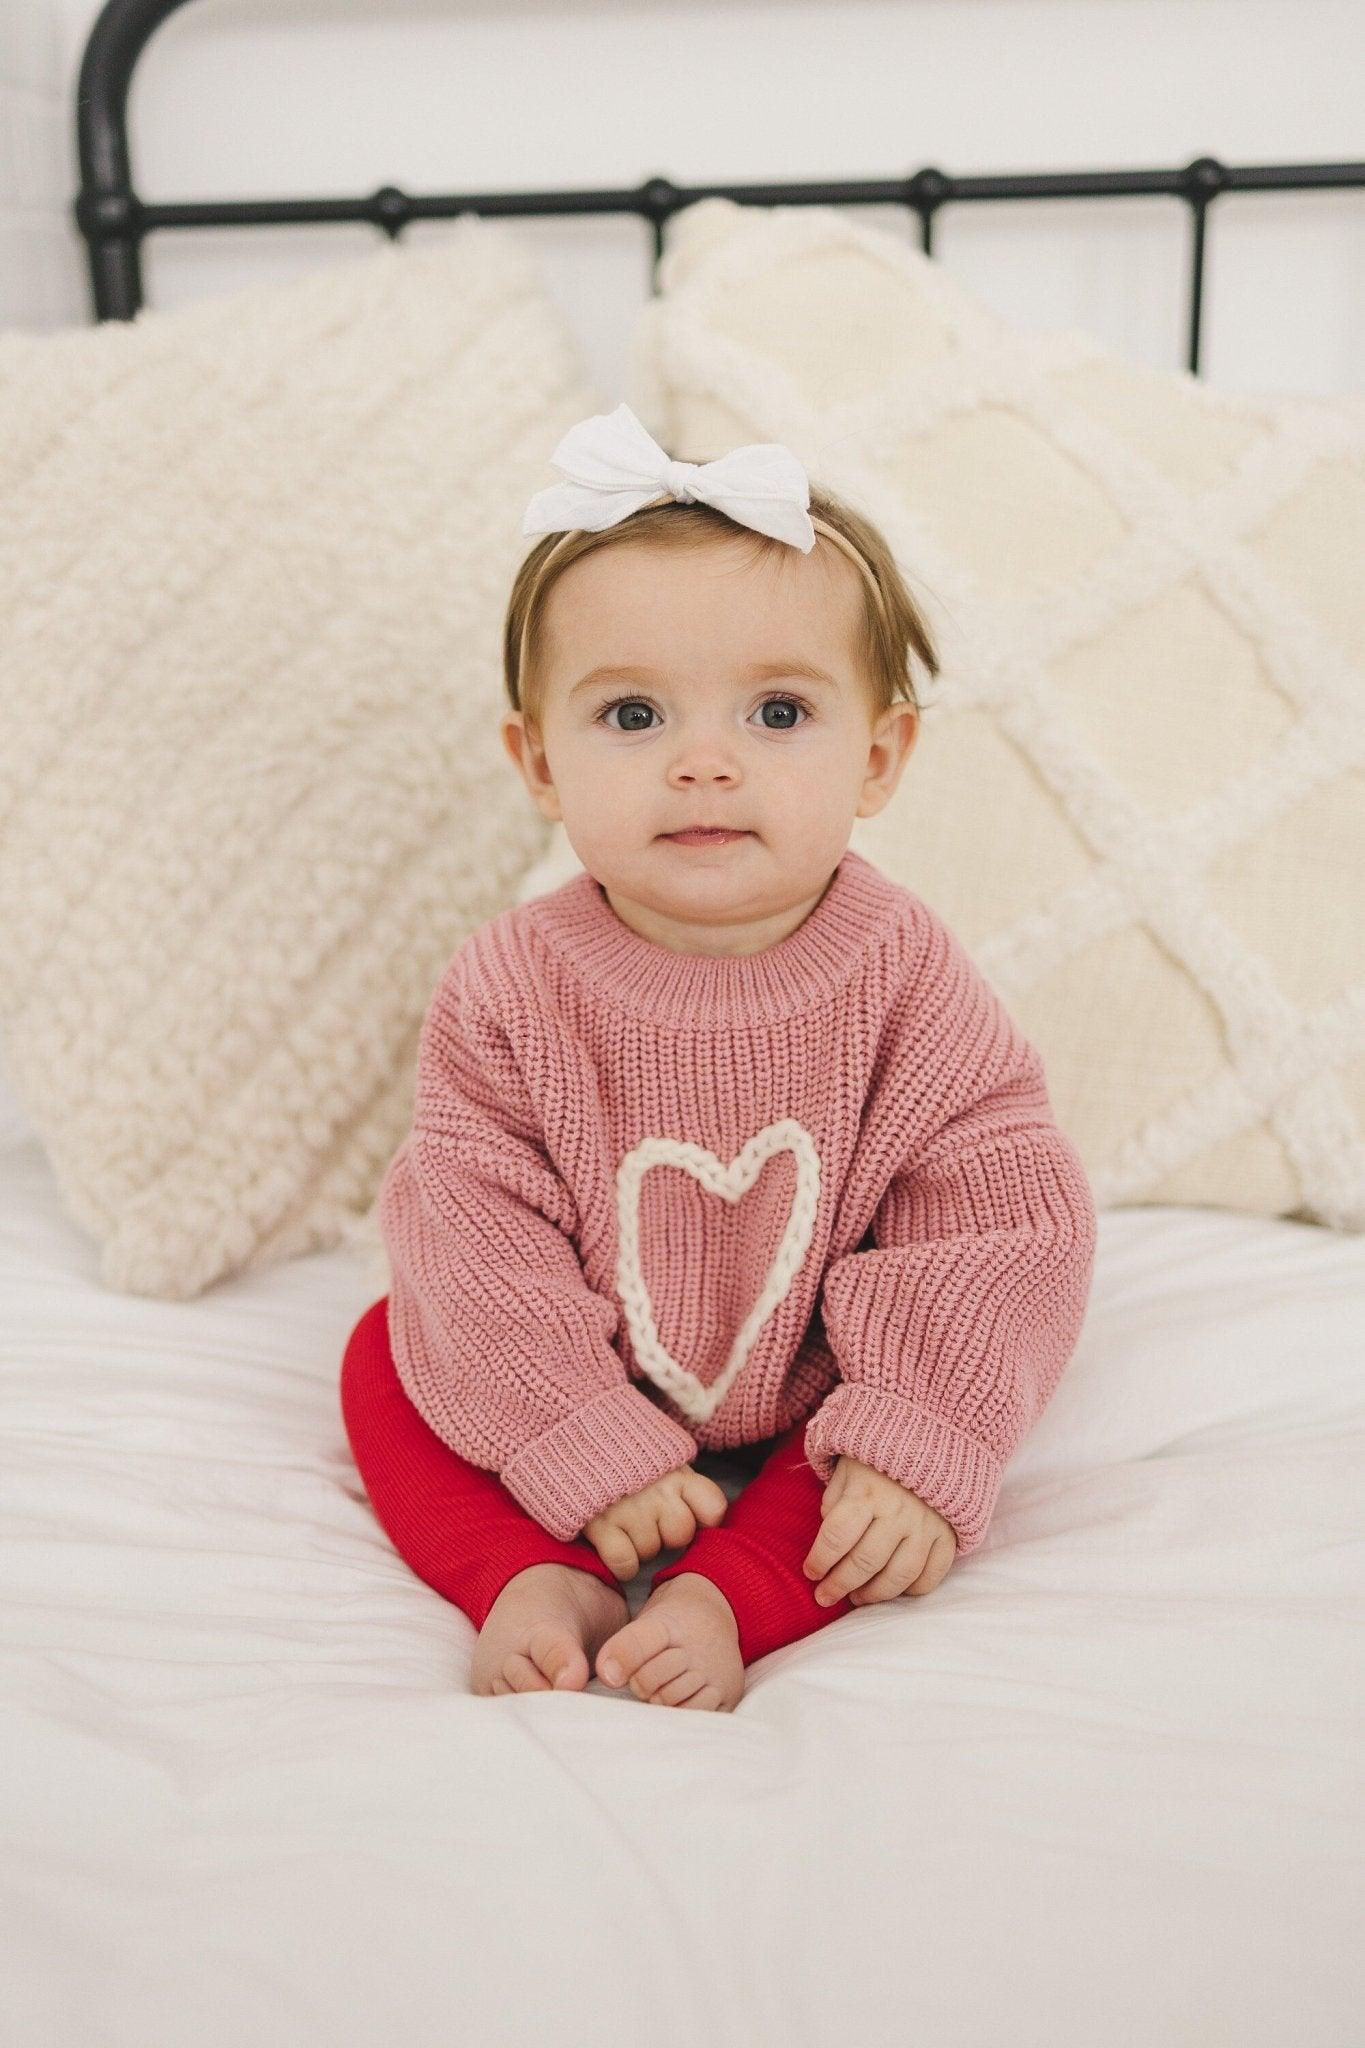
636	704
786	704
631	704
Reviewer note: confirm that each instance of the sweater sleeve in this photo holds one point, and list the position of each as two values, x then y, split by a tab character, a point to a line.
951	1330
500	1343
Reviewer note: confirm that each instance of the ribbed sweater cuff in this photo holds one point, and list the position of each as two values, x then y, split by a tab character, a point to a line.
613	1445
948	1469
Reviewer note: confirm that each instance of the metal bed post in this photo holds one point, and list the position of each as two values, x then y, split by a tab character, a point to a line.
114	220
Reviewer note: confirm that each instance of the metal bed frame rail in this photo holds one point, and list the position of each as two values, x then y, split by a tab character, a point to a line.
114	220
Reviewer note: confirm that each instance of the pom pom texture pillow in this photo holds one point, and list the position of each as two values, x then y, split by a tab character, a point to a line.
1138	792
254	559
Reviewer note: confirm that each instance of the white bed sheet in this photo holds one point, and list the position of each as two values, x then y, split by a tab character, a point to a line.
1102	1787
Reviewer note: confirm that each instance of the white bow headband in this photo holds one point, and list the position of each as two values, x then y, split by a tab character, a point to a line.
616	467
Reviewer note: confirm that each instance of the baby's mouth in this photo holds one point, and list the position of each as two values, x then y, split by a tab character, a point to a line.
699	836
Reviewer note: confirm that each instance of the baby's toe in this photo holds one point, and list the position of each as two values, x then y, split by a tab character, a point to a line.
621	1656
522	1675
679	1690
555	1653
654	1675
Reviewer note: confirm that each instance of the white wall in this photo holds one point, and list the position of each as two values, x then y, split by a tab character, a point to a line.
245	98
40	285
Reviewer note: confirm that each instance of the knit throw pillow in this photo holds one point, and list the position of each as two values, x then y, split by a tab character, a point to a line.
254	558
1138	793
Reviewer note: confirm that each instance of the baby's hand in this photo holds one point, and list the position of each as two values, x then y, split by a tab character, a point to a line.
663	1514
879	1539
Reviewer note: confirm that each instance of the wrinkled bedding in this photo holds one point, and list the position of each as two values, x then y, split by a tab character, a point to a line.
1101	1787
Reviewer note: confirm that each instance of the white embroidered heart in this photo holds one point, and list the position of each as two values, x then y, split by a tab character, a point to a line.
731	1182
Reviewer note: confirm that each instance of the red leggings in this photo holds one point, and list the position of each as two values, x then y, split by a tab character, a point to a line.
462	1532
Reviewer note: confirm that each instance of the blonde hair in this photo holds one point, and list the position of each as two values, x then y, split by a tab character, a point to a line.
891	629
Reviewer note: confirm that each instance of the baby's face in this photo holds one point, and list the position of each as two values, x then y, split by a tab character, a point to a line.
708	719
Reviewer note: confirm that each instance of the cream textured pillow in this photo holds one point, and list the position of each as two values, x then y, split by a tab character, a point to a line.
1139	798
254	557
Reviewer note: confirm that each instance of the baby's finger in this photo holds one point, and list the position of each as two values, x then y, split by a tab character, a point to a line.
839	1532
613	1546
708	1502
833	1493
942	1552
677	1523
619	1554
900	1570
639	1517
867	1557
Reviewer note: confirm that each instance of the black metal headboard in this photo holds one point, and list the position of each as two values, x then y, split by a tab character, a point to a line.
114	220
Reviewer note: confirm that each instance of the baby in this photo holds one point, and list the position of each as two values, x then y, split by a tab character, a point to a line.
709	669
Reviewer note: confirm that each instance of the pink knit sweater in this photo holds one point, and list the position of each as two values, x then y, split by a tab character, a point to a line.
652	1201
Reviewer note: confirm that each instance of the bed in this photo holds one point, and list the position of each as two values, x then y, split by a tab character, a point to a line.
1103	1787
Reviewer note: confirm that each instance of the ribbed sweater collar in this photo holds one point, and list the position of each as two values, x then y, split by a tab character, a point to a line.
701	990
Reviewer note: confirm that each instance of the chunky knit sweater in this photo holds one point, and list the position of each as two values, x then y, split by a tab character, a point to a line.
653	1201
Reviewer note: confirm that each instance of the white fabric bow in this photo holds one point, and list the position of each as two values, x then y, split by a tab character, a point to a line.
615	466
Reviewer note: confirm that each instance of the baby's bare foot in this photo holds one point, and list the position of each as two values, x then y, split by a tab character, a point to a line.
681	1650
543	1629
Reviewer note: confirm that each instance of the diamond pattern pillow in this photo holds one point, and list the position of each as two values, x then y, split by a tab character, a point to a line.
254	557
1138	794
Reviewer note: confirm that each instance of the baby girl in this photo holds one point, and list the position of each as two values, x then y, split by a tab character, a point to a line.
725	1144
